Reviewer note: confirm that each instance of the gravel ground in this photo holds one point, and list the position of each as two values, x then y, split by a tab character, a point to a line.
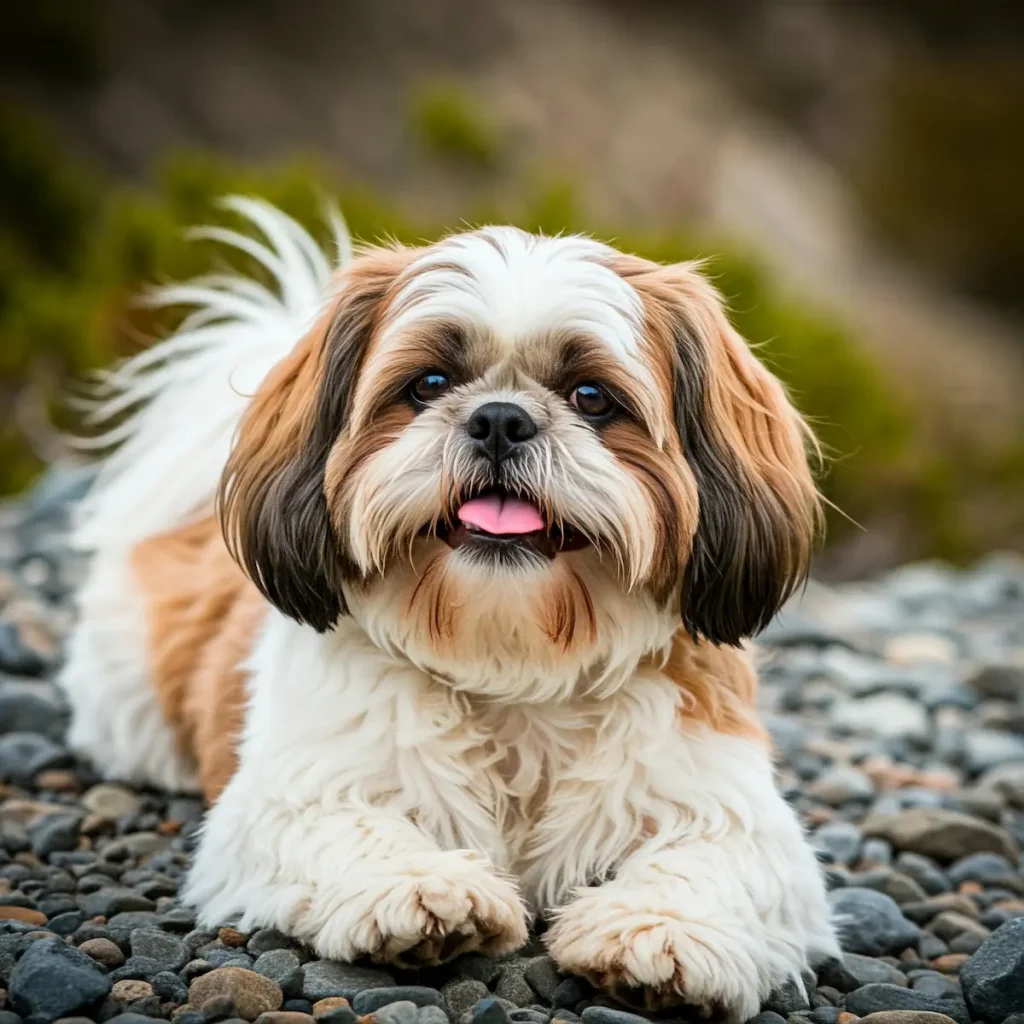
897	708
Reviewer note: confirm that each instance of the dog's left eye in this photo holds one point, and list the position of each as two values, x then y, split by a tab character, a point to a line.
592	401
430	386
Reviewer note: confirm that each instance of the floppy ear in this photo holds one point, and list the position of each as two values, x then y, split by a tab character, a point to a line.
759	510
272	505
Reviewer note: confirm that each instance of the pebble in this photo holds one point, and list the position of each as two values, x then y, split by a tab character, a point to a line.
993	978
372	999
104	952
251	993
166	950
461	995
53	979
110	801
871	922
877	998
939	833
324	978
282	966
129	991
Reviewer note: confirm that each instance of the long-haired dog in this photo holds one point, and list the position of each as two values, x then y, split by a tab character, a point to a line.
431	570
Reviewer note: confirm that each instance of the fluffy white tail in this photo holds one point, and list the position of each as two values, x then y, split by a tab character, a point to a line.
183	398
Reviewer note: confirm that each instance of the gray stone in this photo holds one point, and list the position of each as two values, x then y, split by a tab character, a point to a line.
23	755
372	999
840	784
167	950
1005	681
266	939
786	999
838	840
606	1015
925	872
871	922
54	980
514	987
54	833
939	833
284	967
31	708
110	801
1008	780
877	998
462	994
402	1012
852	971
885	716
325	978
988	748
993	978
543	976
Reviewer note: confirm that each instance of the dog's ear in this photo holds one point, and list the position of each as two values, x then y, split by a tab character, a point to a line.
745	444
272	505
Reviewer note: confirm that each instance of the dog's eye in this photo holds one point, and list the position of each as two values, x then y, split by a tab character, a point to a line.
592	401
429	387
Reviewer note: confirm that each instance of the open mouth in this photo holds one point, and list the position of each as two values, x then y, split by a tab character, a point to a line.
497	521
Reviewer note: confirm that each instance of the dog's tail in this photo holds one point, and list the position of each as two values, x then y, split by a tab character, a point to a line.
171	412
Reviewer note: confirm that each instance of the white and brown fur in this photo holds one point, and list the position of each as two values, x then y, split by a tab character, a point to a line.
409	750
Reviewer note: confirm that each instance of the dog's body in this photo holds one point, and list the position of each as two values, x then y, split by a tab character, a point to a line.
465	633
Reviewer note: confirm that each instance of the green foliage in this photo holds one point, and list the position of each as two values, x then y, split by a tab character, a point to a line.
943	176
450	125
74	259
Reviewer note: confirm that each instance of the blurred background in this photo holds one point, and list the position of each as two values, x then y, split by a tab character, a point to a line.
853	170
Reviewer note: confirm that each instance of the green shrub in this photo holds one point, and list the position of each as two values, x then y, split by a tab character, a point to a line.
72	271
450	125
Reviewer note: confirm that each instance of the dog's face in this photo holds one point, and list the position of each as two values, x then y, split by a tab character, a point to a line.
504	447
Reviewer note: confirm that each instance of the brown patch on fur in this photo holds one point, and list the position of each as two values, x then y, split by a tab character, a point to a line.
719	686
671	492
566	611
433	604
202	614
745	444
272	502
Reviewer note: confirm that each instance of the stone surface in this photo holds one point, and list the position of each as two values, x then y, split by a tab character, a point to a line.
872	922
993	978
943	834
54	980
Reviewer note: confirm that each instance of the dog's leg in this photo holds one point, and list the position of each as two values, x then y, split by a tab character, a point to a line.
354	821
720	898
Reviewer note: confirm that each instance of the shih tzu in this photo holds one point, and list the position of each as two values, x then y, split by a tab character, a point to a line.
432	571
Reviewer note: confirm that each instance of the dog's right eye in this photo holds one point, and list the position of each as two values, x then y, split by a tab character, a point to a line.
429	387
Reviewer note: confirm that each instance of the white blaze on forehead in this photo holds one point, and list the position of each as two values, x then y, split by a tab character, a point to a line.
519	286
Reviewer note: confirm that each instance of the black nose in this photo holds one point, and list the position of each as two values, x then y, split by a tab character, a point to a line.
499	428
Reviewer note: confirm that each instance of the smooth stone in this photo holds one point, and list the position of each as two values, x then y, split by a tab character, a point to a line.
907	1017
372	999
53	979
885	716
871	922
840	784
31	707
949	924
786	999
116	900
1004	681
543	976
167	950
570	992
169	987
878	998
462	994
130	990
266	939
23	755
606	1015
284	967
1007	780
993	978
284	1017
989	748
324	978
943	834
986	868
431	1015
924	871
489	1011
877	851
251	993
852	971
104	952
934	984
401	1012
513	987
840	840
110	801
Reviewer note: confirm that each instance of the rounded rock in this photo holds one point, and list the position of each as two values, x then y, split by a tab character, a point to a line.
251	993
103	951
53	979
873	924
993	978
129	991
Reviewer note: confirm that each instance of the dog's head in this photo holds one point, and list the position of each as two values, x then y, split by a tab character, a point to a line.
540	440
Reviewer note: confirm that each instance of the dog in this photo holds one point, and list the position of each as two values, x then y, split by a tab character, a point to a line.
432	569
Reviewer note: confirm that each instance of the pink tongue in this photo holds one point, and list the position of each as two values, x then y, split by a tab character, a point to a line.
501	516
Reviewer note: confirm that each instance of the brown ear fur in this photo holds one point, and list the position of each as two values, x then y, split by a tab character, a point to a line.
272	504
759	510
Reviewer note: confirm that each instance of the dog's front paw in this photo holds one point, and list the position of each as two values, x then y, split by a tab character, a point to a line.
422	909
644	949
